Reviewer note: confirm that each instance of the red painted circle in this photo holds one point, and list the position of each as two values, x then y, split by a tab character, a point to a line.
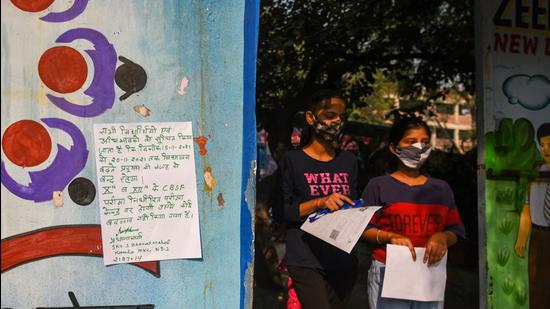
63	69
32	5
27	143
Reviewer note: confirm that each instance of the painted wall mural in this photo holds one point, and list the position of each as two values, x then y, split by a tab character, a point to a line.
64	70
67	65
514	66
58	174
77	7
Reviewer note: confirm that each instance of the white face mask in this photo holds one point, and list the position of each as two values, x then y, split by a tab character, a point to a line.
413	156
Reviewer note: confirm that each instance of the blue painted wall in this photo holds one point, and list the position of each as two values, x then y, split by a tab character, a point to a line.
213	45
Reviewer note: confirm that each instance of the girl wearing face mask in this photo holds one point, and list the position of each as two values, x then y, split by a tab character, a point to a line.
418	211
317	177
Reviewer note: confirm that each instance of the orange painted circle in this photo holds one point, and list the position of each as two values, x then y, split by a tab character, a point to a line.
26	143
32	5
63	69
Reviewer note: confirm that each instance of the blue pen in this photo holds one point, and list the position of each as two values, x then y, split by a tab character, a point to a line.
356	204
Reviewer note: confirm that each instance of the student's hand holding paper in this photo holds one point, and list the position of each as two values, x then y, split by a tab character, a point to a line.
437	245
334	201
429	281
341	228
397	239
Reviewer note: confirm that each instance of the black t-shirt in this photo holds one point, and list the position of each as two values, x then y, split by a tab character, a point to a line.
305	178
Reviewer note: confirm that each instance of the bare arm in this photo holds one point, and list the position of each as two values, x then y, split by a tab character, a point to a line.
523	231
437	246
332	202
378	236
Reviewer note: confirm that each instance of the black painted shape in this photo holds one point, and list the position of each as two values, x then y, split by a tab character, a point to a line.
130	77
76	305
73	300
82	191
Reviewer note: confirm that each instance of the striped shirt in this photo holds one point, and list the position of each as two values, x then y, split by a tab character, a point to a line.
416	212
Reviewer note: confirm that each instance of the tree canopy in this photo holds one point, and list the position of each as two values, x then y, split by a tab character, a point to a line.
345	45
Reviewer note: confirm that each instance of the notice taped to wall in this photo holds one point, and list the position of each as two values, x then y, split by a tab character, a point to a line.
147	191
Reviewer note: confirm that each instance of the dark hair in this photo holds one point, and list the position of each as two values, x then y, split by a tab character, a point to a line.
542	131
321	99
402	125
397	131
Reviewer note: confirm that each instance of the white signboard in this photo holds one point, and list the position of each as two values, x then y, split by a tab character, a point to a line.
147	191
515	57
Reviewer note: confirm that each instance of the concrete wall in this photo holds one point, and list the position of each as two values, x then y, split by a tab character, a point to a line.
71	64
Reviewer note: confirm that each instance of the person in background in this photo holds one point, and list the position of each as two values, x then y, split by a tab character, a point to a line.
315	177
407	196
534	223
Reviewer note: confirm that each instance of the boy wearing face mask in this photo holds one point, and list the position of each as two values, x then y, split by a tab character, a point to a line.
317	177
418	211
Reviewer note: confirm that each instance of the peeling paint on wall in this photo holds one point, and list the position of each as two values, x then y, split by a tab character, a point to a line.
250	199
221	201
208	290
142	110
184	83
57	198
209	181
201	141
250	194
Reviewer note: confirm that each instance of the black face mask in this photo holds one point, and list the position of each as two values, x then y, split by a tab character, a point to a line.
328	132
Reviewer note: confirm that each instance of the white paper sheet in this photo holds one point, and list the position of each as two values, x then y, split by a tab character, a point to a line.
147	191
414	280
341	228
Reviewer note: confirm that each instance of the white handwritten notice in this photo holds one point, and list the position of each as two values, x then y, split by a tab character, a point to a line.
147	191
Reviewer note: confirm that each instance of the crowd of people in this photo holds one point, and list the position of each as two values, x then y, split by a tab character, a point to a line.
319	175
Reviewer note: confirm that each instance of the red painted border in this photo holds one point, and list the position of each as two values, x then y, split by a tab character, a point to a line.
58	240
